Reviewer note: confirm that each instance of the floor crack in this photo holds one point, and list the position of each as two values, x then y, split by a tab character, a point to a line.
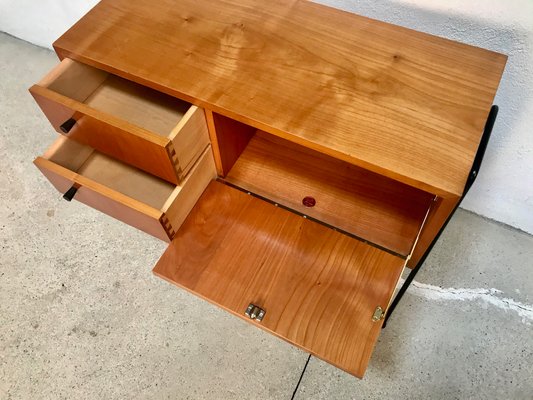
491	296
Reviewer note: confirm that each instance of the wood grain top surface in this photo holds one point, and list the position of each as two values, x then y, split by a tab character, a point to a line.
405	104
319	288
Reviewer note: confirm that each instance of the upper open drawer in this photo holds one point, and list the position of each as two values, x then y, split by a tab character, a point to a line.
155	132
316	288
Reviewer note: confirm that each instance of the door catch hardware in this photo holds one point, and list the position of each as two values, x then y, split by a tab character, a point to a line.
379	314
254	312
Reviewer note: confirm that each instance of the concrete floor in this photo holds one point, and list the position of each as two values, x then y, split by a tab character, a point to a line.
81	315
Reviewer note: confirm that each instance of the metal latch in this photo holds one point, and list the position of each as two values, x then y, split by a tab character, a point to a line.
254	312
379	314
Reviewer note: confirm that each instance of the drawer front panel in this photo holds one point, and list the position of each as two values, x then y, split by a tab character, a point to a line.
320	289
111	136
99	197
188	140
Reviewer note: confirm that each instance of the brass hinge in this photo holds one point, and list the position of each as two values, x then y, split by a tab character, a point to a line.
379	314
255	312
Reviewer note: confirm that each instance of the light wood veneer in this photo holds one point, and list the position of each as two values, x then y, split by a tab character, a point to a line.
283	99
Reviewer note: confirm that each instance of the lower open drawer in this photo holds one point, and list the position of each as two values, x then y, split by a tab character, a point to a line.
124	192
317	288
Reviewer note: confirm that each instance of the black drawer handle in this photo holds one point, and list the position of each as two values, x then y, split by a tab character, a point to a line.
67	125
69	195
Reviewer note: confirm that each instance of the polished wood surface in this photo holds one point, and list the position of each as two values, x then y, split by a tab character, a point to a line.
377	123
122	191
210	119
134	103
370	206
402	103
109	134
137	125
319	287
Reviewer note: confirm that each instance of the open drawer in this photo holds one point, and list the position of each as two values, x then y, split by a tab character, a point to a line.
145	128
124	192
315	287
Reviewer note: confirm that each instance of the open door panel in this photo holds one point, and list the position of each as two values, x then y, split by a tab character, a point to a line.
319	289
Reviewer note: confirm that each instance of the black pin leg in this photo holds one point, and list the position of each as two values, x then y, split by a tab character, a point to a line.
471	178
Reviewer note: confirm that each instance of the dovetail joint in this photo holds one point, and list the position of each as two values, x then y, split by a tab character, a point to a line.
167	226
172	153
174	160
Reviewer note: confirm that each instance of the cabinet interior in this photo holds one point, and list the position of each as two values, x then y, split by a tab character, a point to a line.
372	207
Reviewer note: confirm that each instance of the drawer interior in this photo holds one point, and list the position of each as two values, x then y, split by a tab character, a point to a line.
320	288
377	209
134	103
123	178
